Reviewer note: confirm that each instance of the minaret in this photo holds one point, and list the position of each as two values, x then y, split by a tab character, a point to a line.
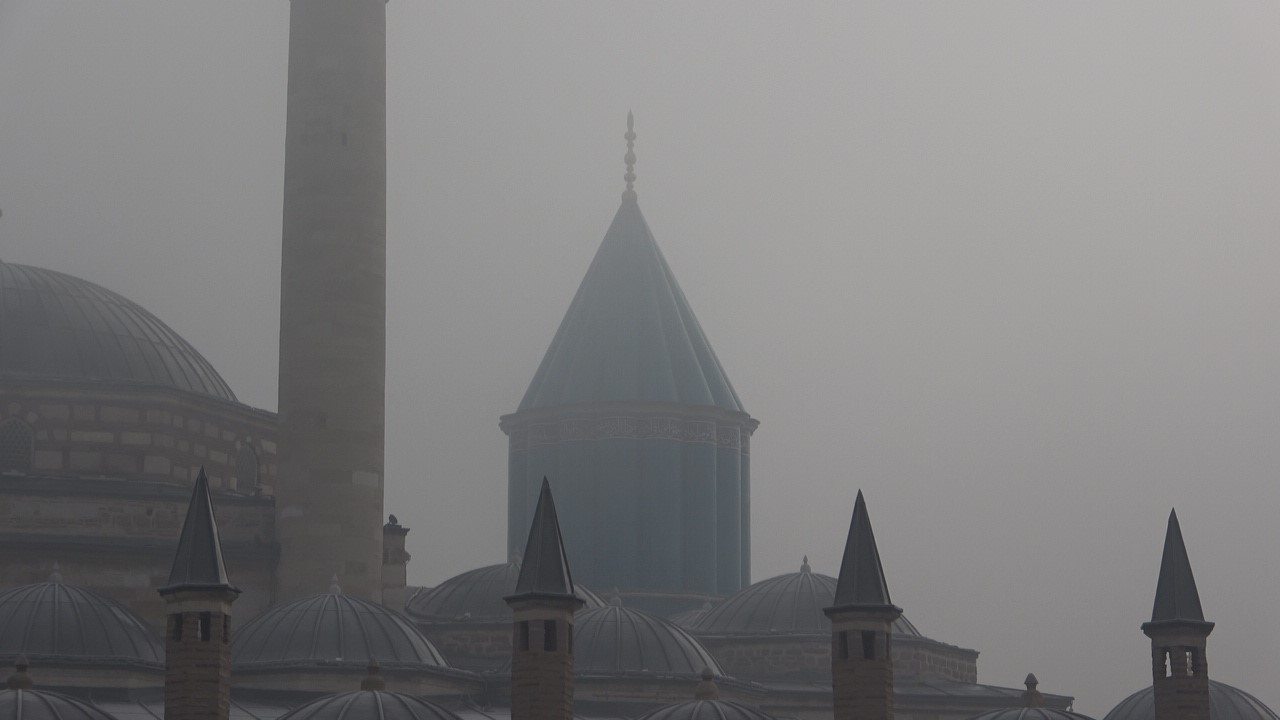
862	628
198	598
1178	632
333	300
543	604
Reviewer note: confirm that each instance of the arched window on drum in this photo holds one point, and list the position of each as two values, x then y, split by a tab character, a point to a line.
246	469
17	446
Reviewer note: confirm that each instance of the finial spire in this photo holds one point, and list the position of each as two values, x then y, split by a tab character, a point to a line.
334	587
804	565
630	158
55	576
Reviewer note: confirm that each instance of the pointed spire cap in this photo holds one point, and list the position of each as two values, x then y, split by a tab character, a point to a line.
545	569
1177	600
861	583
198	565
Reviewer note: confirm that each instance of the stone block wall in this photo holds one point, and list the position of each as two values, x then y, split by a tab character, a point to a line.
808	657
919	656
143	432
472	646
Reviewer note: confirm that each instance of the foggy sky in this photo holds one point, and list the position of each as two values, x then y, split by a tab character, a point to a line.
1010	268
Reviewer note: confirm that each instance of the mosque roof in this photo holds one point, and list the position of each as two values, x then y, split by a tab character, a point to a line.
52	621
59	327
477	596
1225	703
616	640
27	704
370	705
630	334
708	710
790	604
332	629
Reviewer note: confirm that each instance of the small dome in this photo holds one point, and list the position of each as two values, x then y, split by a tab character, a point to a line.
332	629
60	327
708	710
1028	713
369	705
477	596
789	604
1225	703
44	705
614	640
53	621
689	618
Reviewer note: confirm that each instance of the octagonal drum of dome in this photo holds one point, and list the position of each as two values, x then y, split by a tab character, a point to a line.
477	596
1225	703
370	705
53	623
615	640
332	629
790	604
58	327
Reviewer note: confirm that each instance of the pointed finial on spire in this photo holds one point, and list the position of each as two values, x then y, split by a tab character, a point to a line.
630	158
1031	697
804	565
707	689
55	575
334	587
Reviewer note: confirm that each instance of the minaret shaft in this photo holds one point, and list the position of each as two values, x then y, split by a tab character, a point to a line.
333	300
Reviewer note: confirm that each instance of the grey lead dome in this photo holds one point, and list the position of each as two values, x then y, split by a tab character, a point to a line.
617	640
58	327
369	705
1225	703
44	705
476	596
708	710
52	621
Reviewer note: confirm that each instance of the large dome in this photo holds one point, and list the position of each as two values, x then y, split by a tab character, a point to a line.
708	710
1028	713
1225	703
369	705
617	640
477	596
789	604
332	629
60	327
44	705
56	622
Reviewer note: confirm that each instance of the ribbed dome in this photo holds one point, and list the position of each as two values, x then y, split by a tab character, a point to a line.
1026	713
614	640
1225	703
51	621
369	705
477	596
708	710
787	604
332	629
629	334
60	327
44	705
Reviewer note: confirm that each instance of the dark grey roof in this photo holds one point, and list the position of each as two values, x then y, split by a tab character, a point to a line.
790	604
1176	594
45	705
617	640
197	563
370	705
861	581
1225	703
152	708
629	334
56	622
477	596
708	710
60	327
545	570
332	629
1026	713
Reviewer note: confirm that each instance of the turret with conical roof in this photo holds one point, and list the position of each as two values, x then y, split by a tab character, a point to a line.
1179	633
198	596
633	416
543	605
862	619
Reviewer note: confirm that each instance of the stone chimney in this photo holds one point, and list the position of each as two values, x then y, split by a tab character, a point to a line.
543	605
1179	633
862	628
198	598
395	565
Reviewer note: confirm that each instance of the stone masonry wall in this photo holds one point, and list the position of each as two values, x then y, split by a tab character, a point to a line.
783	657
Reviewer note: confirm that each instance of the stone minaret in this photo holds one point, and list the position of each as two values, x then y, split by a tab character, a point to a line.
1178	632
543	604
198	598
862	628
333	300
